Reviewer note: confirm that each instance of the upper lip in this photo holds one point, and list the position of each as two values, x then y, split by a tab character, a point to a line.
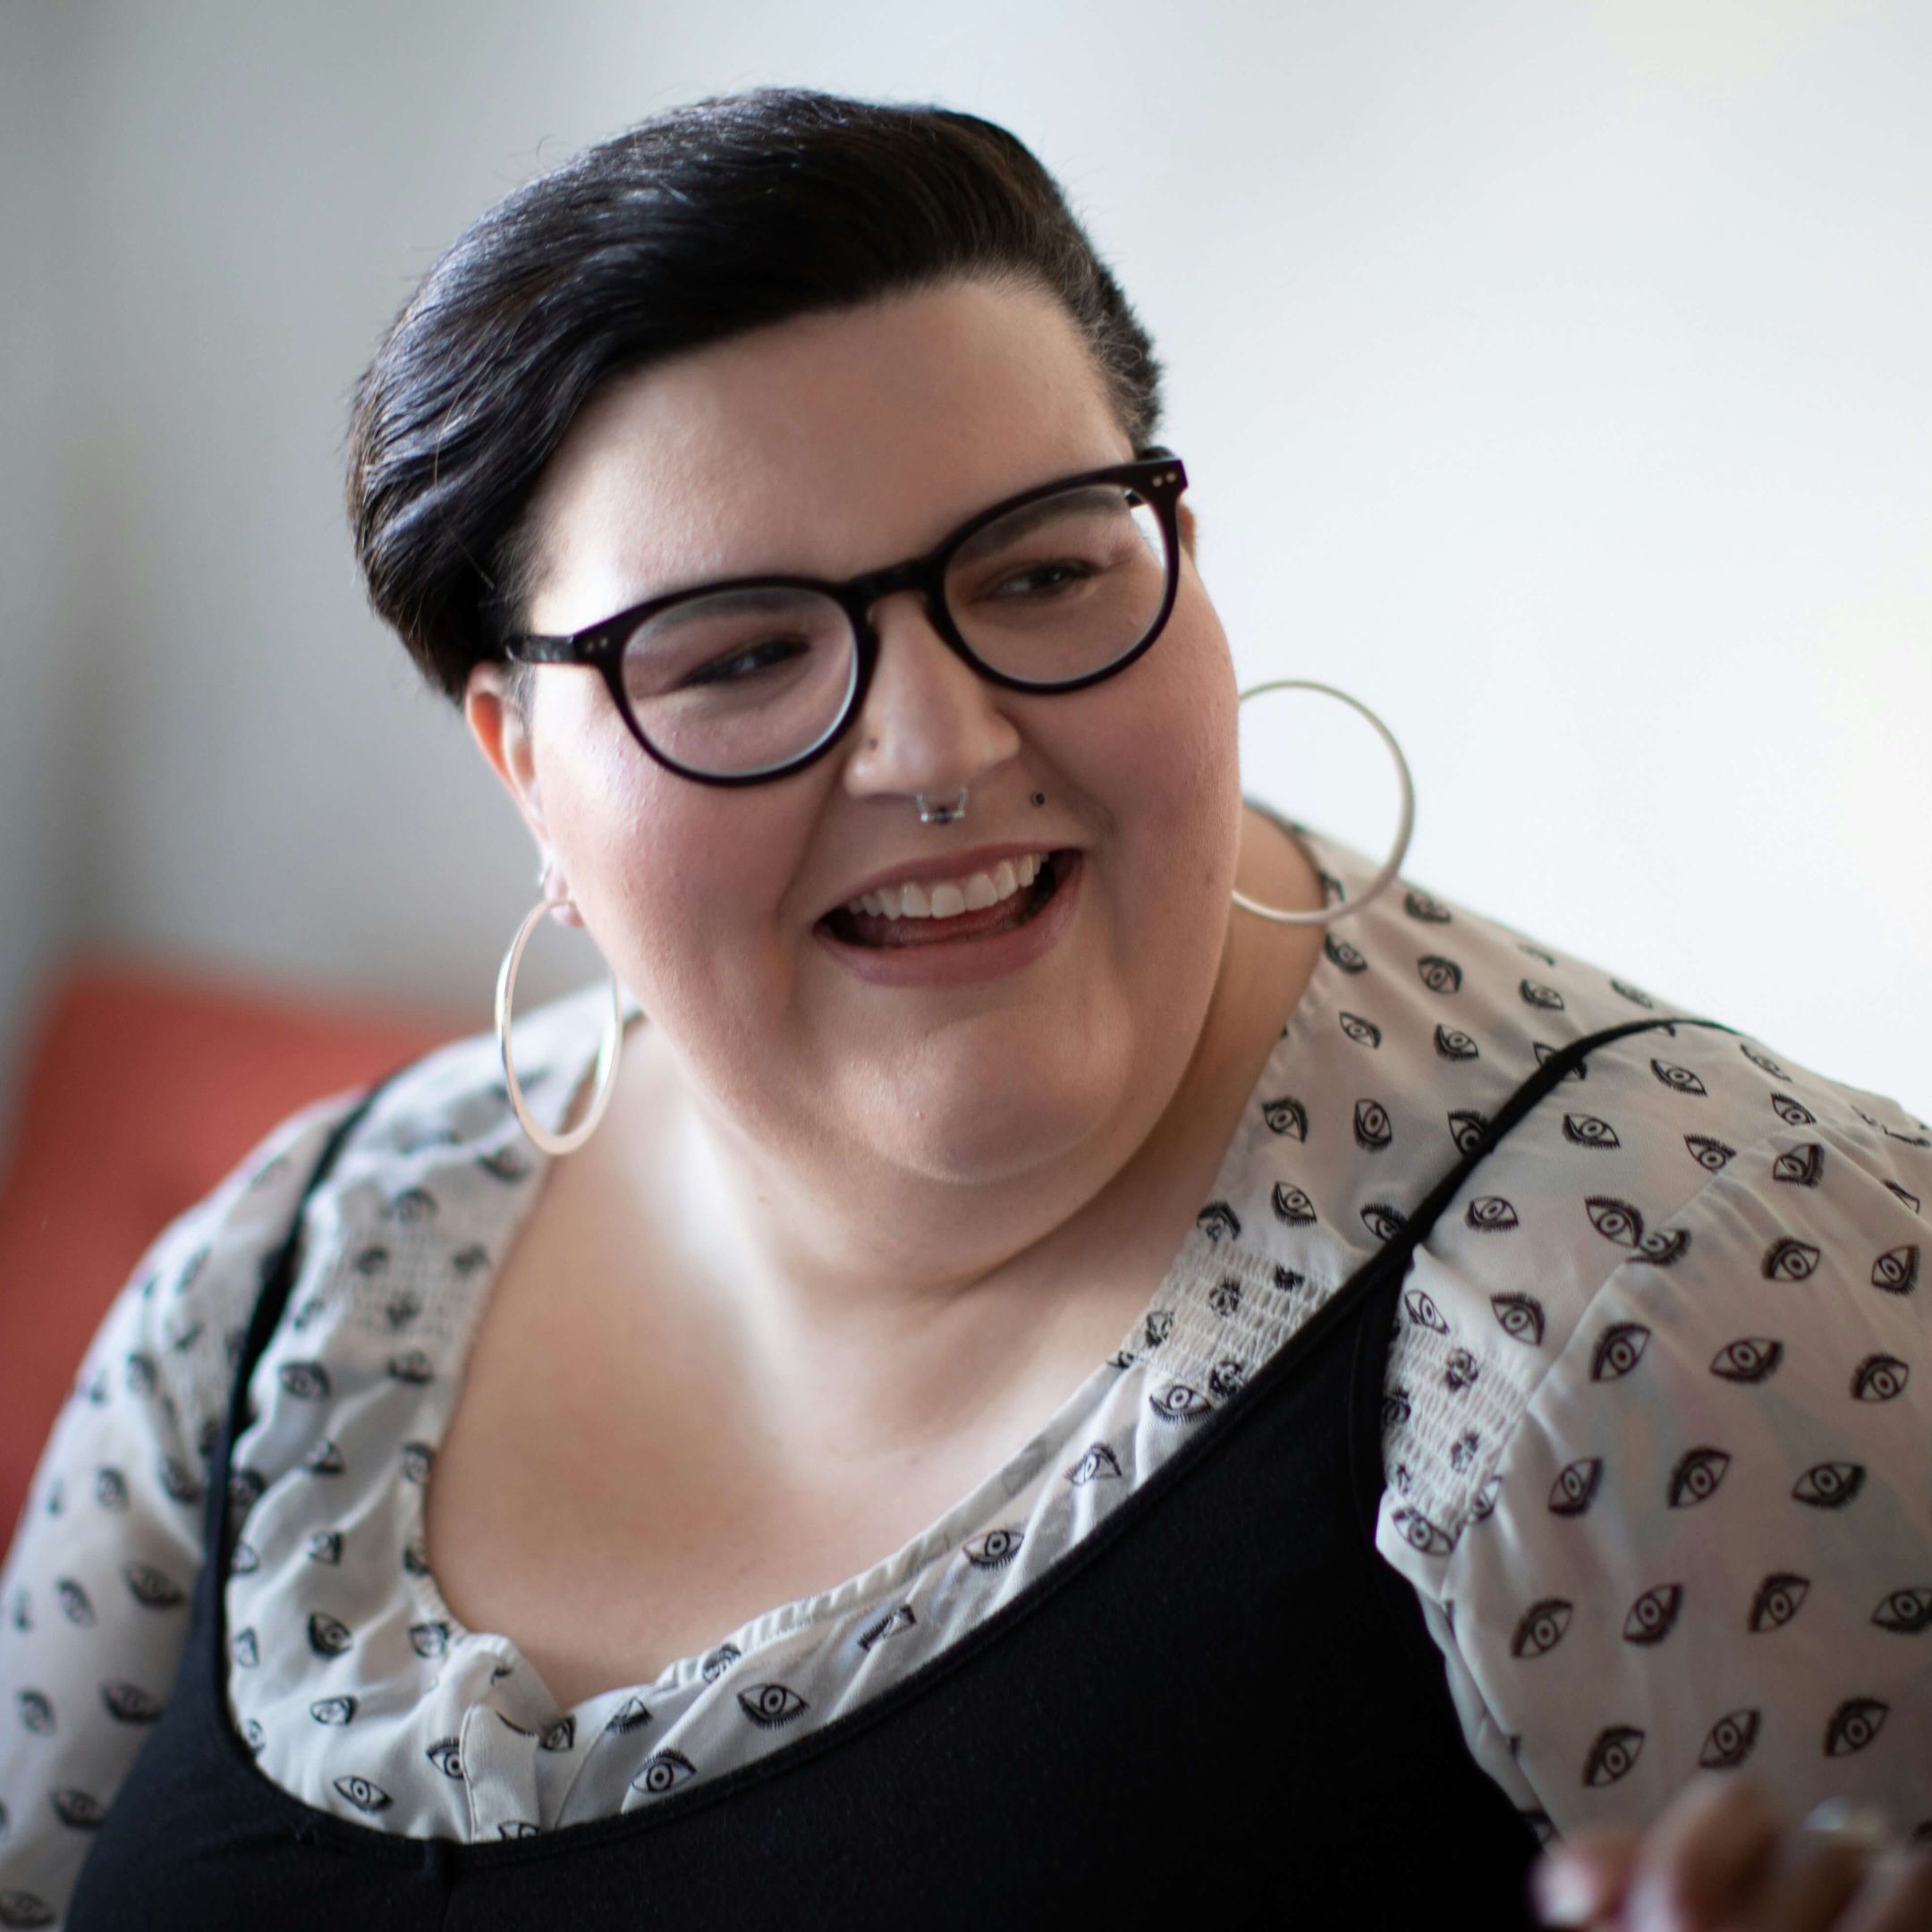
945	865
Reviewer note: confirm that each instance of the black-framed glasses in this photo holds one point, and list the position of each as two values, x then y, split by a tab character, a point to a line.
753	678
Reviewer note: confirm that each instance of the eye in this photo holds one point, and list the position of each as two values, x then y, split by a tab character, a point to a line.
720	1661
1786	1259
110	1490
1522	1315
1490	1214
504	1164
1619	1349
1225	1377
429	1639
1460	1372
770	1703
1439	975
1286	1116
1420	1534
1424	1312
36	1713
1911	1201
1384	1221
1880	1378
152	1589
741	666
258	1739
1906	1611
1288	1279
246	1650
1853	1725
560	1736
1292	1204
417	1458
177	1481
1613	1755
1158	1327
412	1366
466	1261
662	1770
1663	1247
1177	1402
1466	1128
1696	1478
1896	1270
1419	905
1225	1298
1576	1487
74	1603
1750	1358
324	1459
890	1624
1635	997
1762	1059
1678	1079
1653	1613
1372	1127
444	1755
140	1373
1614	1220
1098	1463
1453	1044
1829	1484
372	1260
1729	1741
414	1561
332	1710
1792	1113
632	1715
1544	1054
412	1204
1523	946
1217	1221
1587	1130
1708	1154
1803	1165
1345	955
325	1546
328	1636
1547	998
1363	1032
130	1704
364	1793
994	1549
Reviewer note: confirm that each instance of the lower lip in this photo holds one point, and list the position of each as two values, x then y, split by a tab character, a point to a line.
947	963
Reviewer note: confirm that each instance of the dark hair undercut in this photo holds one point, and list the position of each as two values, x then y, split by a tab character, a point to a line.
715	218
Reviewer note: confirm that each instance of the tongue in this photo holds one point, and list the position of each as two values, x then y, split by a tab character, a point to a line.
873	930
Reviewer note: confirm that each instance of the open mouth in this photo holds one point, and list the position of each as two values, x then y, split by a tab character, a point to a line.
882	930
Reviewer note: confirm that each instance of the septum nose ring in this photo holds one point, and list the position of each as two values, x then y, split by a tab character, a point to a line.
931	813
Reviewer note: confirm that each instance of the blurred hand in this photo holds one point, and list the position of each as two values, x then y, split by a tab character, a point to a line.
1725	1859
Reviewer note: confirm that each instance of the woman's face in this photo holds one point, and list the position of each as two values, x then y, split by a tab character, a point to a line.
828	446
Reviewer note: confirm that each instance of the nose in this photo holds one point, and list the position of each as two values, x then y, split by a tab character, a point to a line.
930	722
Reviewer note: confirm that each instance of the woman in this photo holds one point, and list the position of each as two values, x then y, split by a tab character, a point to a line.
1073	1301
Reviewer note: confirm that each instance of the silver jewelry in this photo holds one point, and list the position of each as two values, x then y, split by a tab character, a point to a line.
1386	878
932	814
608	1049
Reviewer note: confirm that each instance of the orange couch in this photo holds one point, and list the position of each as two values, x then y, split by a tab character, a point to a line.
143	1088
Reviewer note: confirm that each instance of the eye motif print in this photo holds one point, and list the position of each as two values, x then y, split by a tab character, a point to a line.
1484	1506
1678	1079
1490	1214
1696	1476
1762	1059
1911	1201
505	1163
152	1589
1438	974
771	1704
1460	1372
333	1710
1286	1116
140	1373
1420	1534
1854	1724
36	1713
994	1549
1384	1221
1789	1259
110	1490
888	1625
1098	1463
1225	1378
1879	1378
325	1546
1523	946
1363	1032
1585	1130
78	1811
244	1648
1614	1755
1654	1614
1614	1220
1792	1111
328	1636
1635	996
429	1639
632	1715
364	1793
1748	1358
1708	1154
1419	905
1619	1349
1396	1410
1896	1270
1544	1054
1218	1222
1373	1129
1225	1298
1453	1044
417	1458
1547	999
1801	1166
1177	1402
466	1261
662	1770
1662	1246
1292	1204
1541	1627
1158	1327
1730	1741
411	1367
177	1479
373	1260
720	1661
75	1605
1906	1611
1576	1485
1345	955
1466	1128
1522	1315
128	1703
1829	1484
324	1459
1423	1311
412	1204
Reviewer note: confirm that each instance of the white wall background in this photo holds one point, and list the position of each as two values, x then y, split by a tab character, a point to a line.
1553	374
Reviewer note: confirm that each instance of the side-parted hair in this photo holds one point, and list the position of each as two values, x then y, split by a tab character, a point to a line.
718	217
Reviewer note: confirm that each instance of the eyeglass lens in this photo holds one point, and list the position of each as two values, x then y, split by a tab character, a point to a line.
745	681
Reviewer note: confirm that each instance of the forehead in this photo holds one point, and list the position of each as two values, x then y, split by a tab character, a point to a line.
827	445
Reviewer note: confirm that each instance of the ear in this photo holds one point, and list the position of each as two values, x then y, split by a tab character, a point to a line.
505	742
1184	515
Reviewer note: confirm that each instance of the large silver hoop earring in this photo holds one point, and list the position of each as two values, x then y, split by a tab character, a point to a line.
1386	878
608	1049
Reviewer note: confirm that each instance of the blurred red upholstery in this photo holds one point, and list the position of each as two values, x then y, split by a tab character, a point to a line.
142	1089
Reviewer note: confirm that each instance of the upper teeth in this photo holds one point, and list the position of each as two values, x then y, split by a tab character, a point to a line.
949	897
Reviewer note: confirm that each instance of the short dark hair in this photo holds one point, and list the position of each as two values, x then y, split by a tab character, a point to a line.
715	218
